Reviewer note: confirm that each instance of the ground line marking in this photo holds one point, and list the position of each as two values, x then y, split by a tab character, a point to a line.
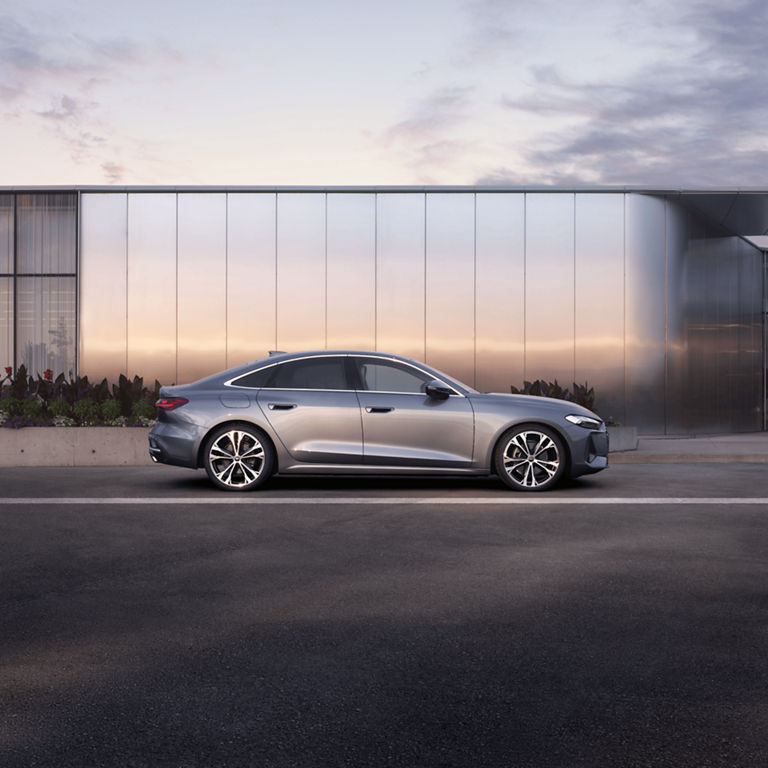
517	500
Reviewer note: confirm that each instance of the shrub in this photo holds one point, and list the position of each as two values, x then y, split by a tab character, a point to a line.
86	411
110	411
142	412
582	394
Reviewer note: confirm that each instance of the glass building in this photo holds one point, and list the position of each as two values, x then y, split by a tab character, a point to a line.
654	298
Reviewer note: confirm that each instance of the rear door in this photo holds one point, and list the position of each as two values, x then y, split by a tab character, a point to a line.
314	411
402	426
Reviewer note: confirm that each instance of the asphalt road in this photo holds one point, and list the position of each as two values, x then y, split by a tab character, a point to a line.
339	622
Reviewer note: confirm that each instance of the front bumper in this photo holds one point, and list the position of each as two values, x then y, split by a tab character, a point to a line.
590	453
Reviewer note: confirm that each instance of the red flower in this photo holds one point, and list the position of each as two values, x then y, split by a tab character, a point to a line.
48	374
8	370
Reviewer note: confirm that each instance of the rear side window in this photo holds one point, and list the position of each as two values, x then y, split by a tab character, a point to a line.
312	373
255	379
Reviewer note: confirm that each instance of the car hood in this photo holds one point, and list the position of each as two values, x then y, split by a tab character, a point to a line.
534	401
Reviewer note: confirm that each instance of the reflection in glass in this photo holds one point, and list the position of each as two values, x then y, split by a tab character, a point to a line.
251	329
549	287
500	291
6	234
300	271
6	324
450	284
201	284
599	300
103	288
46	240
46	324
645	286
351	313
152	286
400	274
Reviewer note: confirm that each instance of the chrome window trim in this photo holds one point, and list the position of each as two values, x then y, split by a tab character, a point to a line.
230	383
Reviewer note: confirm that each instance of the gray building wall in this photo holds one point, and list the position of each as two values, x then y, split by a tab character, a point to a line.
649	302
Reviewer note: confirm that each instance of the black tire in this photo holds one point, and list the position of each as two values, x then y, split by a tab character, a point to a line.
530	458
238	457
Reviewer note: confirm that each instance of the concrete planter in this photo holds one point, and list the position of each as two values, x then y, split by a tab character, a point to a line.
74	447
622	439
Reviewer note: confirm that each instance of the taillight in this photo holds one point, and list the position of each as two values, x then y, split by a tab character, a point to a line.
170	403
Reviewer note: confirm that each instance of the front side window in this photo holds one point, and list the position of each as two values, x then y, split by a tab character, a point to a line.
311	373
391	376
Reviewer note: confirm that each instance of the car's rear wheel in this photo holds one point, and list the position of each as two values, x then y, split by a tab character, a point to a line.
238	457
530	458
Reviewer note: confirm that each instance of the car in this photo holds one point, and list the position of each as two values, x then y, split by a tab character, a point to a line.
347	412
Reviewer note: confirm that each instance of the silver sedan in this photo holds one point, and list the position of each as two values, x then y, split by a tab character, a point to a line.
372	413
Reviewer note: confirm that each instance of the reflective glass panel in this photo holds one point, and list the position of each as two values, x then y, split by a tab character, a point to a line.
46	324
351	271
500	291
152	286
103	285
645	287
450	284
300	271
400	274
202	284
599	300
251	270
549	287
46	235
6	324
6	234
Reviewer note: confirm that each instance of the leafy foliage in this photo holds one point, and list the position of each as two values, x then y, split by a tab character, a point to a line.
27	400
582	394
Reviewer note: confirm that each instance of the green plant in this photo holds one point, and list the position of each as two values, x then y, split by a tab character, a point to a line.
59	408
30	407
86	411
110	411
582	394
142	411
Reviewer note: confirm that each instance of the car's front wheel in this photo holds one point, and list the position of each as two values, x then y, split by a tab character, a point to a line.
238	457
530	458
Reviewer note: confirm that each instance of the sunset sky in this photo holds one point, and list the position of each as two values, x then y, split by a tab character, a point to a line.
604	92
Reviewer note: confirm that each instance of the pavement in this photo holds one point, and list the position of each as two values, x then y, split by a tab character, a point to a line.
748	447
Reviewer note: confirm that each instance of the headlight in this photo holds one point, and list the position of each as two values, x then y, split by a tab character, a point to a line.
588	422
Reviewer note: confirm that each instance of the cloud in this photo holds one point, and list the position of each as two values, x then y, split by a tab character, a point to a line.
113	172
695	120
432	115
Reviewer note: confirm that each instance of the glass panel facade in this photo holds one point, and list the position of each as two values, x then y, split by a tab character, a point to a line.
201	284
46	324
599	300
103	285
46	233
450	262
152	286
351	273
400	274
500	291
6	324
251	276
549	287
301	271
6	234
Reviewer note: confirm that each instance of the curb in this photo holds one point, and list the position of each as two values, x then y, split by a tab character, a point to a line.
635	457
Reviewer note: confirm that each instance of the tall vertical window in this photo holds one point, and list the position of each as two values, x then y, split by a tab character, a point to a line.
38	281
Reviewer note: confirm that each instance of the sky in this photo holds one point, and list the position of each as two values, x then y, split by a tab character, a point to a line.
361	92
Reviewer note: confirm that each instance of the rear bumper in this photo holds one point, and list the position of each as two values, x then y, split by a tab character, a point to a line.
174	444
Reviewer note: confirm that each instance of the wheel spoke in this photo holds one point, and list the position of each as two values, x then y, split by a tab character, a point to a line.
544	445
219	452
255	452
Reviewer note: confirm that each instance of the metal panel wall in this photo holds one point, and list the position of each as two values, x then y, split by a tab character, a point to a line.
152	286
351	275
599	300
46	226
6	324
549	282
6	234
103	285
450	284
400	274
201	284
251	276
645	291
300	271
500	291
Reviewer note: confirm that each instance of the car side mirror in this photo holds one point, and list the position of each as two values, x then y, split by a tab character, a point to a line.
437	390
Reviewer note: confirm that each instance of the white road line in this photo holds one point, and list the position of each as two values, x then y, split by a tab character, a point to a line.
519	500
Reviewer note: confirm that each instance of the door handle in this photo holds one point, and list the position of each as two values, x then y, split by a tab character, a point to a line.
374	409
281	406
